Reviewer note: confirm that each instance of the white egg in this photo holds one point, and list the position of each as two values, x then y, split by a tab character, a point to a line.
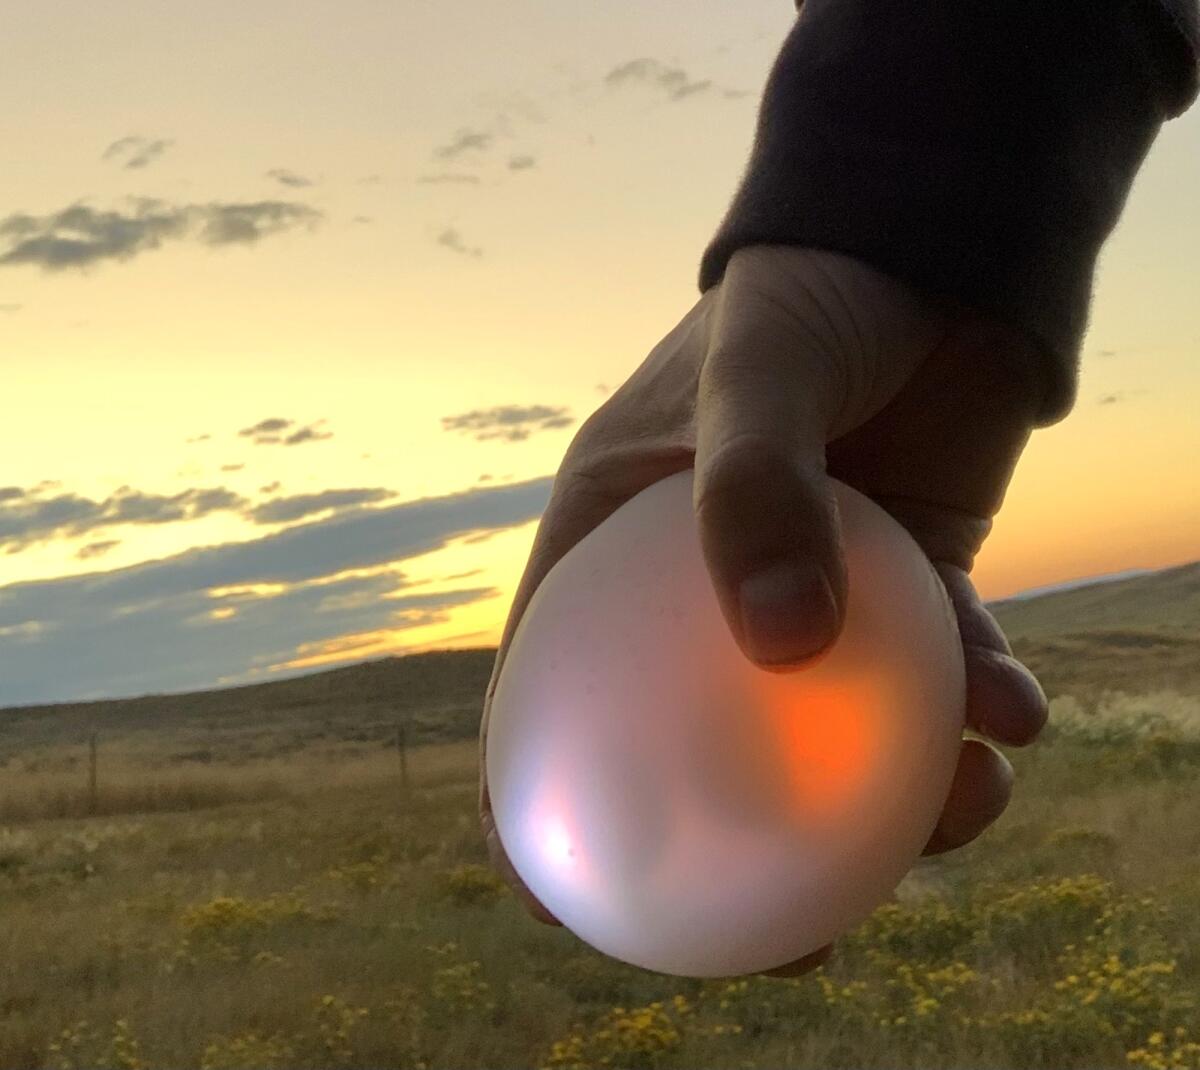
683	810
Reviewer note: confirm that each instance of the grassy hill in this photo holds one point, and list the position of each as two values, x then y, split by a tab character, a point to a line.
1123	635
1116	635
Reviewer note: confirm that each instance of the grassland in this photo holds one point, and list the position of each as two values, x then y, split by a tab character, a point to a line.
257	888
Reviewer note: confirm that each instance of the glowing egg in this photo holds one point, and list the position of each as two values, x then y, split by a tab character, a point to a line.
683	810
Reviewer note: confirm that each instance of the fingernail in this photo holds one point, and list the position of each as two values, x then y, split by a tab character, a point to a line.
788	613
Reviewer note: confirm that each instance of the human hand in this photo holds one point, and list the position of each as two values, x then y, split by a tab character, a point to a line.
801	365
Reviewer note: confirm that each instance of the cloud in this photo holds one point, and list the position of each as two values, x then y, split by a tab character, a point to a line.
1109	399
451	239
1120	396
136	151
448	178
521	163
269	432
280	510
270	426
362	219
288	178
270	488
512	423
79	236
150	626
650	72
96	549
464	141
307	434
1108	352
9	306
30	517
197	438
232	467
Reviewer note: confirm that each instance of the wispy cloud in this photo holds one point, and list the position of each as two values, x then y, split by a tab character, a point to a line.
465	140
271	432
296	506
80	236
448	178
511	423
644	71
521	163
135	152
151	626
451	239
289	178
96	549
31	517
232	467
9	306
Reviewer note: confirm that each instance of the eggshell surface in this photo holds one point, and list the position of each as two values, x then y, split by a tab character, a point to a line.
679	808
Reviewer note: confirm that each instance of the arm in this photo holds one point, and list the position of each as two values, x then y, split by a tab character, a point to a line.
981	152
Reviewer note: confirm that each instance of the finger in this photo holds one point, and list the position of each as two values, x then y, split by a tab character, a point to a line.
1004	700
979	794
802	965
767	517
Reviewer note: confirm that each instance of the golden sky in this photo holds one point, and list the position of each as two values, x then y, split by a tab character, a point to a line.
290	259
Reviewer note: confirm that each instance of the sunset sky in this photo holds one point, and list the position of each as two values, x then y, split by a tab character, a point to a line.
300	305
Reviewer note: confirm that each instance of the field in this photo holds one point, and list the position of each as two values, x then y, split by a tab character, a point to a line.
251	884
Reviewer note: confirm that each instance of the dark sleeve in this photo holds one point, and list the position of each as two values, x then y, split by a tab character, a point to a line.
979	150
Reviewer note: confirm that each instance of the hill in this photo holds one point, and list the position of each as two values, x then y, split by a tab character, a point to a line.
1134	634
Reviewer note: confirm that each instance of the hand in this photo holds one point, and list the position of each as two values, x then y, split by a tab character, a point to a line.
800	365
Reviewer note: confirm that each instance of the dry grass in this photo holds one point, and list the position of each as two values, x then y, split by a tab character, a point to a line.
302	910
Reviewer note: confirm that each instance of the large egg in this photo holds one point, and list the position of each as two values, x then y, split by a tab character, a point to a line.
683	810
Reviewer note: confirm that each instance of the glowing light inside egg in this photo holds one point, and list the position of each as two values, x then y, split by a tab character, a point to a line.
679	808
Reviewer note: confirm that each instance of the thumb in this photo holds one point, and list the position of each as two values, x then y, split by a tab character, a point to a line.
767	516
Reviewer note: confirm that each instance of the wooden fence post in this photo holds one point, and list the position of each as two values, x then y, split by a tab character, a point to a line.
402	747
93	781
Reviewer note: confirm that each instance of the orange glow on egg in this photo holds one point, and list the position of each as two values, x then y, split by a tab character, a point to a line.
831	738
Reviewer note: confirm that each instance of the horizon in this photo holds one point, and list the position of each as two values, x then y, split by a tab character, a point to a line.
1074	584
294	358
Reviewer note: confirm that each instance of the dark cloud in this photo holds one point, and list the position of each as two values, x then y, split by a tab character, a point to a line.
448	178
232	467
1109	399
512	423
280	510
650	72
10	306
451	239
464	141
136	152
521	163
31	517
270	488
96	549
151	627
269	432
8	494
289	178
79	236
307	434
269	426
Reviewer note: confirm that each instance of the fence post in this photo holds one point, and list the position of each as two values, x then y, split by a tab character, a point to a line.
93	782
402	747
